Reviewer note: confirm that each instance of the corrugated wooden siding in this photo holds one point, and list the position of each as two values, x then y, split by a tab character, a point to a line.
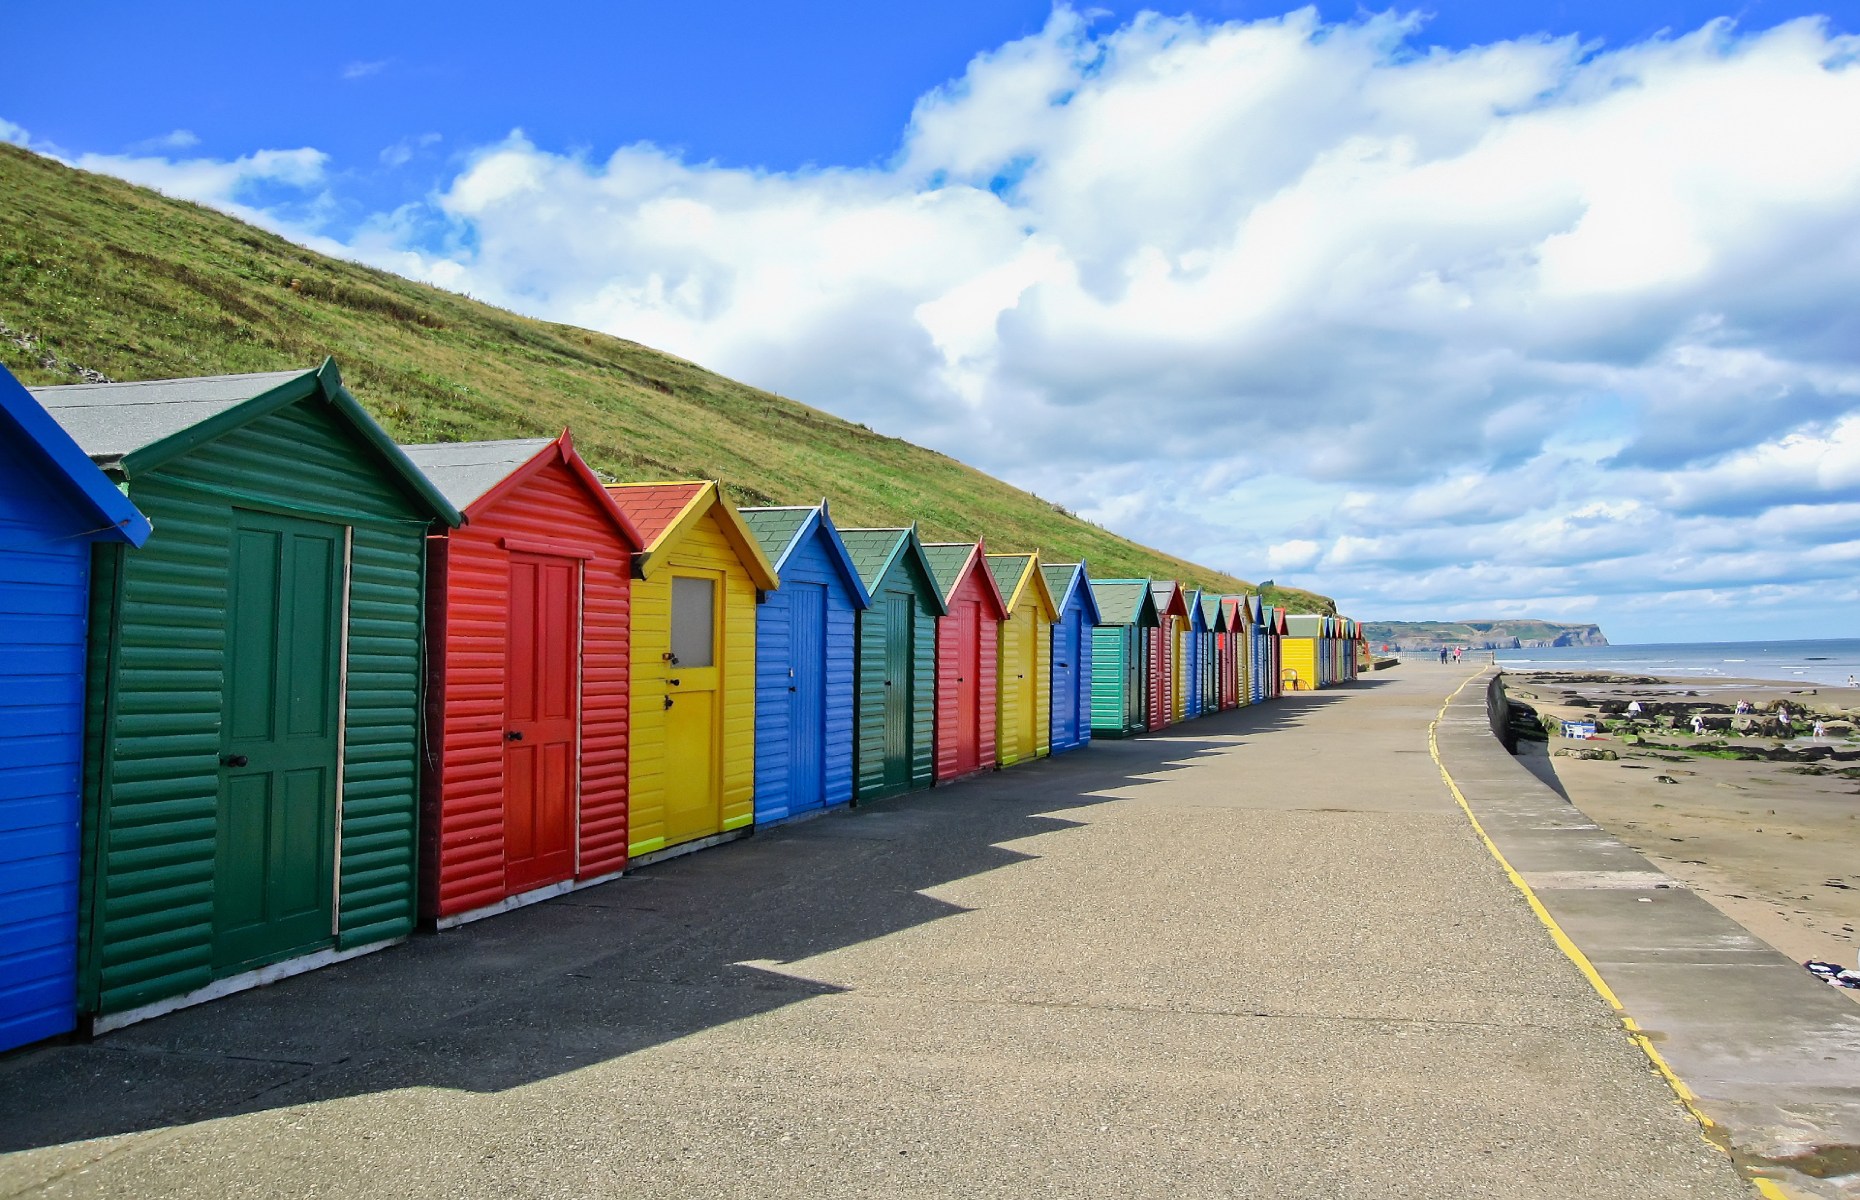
703	547
811	562
988	636
1083	674
1019	735
464	825
1116	711
44	582
905	578
1300	655
153	801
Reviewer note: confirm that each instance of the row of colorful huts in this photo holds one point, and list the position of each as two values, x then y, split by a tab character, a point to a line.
275	691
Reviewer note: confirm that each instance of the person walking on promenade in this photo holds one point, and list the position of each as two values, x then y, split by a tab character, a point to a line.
1443	656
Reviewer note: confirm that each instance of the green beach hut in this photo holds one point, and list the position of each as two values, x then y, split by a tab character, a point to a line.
251	793
1120	658
894	723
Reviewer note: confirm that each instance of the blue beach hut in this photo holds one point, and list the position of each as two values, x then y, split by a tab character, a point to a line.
806	663
1072	658
54	505
1194	691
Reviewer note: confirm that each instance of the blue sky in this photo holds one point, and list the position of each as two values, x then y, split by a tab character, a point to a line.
1488	309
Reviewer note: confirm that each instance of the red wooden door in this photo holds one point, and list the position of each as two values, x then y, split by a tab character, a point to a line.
542	716
968	686
1159	676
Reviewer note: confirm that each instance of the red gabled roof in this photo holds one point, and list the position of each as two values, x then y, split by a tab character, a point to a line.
654	507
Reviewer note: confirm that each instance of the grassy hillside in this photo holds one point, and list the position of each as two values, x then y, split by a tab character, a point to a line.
99	276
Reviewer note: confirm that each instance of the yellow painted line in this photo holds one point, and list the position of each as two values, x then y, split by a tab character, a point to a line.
1765	1187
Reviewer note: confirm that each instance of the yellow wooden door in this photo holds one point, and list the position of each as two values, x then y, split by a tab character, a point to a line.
1026	676
694	708
1178	699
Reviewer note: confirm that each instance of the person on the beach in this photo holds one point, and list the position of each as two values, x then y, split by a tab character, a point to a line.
1821	731
1443	656
1743	708
1633	708
1698	725
1852	682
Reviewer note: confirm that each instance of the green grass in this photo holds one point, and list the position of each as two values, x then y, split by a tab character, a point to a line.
100	275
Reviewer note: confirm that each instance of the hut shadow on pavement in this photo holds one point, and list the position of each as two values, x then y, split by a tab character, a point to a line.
665	952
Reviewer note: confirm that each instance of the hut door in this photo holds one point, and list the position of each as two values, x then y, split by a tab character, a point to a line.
541	719
807	696
275	837
900	687
1025	683
1133	662
1065	726
968	686
694	708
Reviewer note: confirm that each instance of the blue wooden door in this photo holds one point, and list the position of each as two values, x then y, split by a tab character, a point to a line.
1065	682
807	696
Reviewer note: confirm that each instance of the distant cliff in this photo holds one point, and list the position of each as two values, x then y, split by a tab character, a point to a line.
1514	634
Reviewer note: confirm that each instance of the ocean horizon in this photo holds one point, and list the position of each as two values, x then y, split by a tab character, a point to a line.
1826	661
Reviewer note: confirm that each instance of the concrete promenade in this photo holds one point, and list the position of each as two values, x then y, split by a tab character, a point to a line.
1263	955
1771	1053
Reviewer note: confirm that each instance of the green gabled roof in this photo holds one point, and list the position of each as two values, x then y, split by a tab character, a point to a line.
946	561
872	550
1124	601
1007	570
1212	613
775	528
875	551
1303	625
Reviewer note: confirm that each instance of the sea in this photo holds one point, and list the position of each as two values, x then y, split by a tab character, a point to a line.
1816	662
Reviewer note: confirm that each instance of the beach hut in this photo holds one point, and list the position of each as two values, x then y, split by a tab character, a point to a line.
1194	655
1122	656
895	723
806	664
1024	661
256	678
1072	658
1275	651
56	510
1302	652
691	763
967	646
525	792
1217	656
1166	654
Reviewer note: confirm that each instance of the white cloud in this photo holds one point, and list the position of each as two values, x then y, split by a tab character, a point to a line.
174	139
363	68
402	152
1525	324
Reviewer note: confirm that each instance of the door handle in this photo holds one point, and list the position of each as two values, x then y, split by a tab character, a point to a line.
233	760
515	735
668	702
793	689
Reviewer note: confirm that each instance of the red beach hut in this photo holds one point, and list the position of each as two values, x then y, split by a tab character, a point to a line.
1170	606
527	631
967	641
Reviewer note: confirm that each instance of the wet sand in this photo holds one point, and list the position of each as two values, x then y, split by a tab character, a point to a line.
1775	845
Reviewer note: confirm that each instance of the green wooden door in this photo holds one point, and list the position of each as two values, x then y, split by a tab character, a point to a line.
900	641
274	869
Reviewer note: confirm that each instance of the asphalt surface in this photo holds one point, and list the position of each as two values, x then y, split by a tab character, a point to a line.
1260	955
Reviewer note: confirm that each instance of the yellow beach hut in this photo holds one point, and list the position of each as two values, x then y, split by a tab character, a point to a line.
1024	682
1301	662
692	751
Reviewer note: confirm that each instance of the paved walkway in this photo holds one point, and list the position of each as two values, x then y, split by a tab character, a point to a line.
1264	955
1771	1053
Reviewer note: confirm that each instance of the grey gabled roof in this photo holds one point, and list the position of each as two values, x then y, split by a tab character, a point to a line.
464	471
112	420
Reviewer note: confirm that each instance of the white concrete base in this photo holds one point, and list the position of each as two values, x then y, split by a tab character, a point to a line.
684	848
524	900
243	982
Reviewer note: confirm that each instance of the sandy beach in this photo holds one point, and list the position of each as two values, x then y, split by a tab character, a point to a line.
1765	827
